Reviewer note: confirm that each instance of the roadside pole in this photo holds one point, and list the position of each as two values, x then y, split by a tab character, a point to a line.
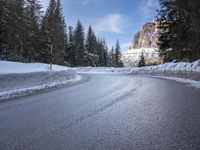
50	65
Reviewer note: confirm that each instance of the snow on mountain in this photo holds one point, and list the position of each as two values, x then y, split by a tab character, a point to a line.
131	57
145	41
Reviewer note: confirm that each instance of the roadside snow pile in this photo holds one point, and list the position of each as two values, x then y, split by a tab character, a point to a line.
181	69
18	79
8	67
172	67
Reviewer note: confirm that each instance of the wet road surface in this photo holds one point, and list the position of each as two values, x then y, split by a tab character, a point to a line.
108	112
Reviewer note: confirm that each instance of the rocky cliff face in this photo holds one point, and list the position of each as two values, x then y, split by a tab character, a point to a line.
147	37
144	42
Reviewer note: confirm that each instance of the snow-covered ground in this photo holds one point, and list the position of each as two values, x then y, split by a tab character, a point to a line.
18	79
8	67
132	57
180	67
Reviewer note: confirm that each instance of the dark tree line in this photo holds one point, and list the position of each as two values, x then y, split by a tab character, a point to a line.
29	35
179	37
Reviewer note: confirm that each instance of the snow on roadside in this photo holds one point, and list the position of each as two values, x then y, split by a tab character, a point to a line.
19	79
182	71
181	67
8	67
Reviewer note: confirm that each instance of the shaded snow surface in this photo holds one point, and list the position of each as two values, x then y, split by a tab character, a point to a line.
19	79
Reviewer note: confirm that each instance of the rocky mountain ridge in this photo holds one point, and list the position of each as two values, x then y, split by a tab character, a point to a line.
147	37
144	42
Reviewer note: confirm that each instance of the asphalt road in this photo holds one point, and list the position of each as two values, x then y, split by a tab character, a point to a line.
105	112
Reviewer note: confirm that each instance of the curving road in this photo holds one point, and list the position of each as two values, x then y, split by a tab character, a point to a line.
105	112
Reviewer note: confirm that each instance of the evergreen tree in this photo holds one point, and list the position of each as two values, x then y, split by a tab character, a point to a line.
61	33
26	36
179	34
4	13
142	61
118	62
112	57
33	11
53	32
100	52
47	34
16	29
192	11
70	54
91	47
79	43
105	54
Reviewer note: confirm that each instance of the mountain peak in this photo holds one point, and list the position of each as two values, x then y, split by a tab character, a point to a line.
147	37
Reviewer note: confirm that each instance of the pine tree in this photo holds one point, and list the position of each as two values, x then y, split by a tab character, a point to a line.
79	43
53	33
33	11
192	10
91	48
70	53
142	61
61	33
105	54
3	30
16	29
112	57
100	48
118	62
177	38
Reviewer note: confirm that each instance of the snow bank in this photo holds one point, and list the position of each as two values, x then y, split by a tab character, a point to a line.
19	79
181	69
8	67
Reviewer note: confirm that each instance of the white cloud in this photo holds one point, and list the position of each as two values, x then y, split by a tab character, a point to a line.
110	23
148	7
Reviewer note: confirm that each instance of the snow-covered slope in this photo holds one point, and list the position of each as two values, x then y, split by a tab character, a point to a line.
131	57
8	67
180	67
17	79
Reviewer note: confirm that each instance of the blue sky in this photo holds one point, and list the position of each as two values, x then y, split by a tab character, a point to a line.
111	19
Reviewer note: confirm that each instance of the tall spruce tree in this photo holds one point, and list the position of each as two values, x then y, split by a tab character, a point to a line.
79	40
47	34
100	52
70	53
91	47
4	29
112	57
33	11
141	61
118	62
16	29
105	54
53	32
192	10
178	38
61	33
